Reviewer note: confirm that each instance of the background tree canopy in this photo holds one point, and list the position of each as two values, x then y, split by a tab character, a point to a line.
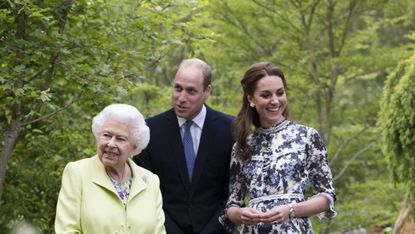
63	61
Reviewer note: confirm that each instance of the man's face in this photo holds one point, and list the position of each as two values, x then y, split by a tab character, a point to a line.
188	93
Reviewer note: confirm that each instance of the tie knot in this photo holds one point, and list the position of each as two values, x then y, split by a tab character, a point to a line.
188	124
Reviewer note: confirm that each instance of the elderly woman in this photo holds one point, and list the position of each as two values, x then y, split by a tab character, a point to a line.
109	193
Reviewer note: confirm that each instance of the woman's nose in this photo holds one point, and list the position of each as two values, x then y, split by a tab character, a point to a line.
111	142
274	99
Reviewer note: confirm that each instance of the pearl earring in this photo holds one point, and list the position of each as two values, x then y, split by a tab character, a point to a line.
252	104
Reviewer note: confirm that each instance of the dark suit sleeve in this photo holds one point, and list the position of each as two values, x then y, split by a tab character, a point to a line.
214	226
171	226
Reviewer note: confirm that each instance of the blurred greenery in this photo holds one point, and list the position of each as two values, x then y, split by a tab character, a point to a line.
62	61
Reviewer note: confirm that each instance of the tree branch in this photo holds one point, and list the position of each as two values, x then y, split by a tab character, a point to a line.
352	6
361	151
55	55
344	144
283	17
330	27
52	113
312	13
242	26
14	131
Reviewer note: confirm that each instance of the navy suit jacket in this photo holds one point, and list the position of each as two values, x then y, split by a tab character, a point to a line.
190	207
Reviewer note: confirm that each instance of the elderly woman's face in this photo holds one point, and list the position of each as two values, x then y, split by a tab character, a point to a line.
115	144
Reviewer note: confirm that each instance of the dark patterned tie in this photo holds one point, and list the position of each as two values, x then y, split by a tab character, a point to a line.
189	150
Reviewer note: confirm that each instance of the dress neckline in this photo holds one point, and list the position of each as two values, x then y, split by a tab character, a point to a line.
275	128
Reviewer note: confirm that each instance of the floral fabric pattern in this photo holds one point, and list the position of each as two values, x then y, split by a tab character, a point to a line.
285	159
123	190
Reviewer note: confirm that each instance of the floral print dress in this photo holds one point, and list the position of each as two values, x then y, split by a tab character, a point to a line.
123	190
285	159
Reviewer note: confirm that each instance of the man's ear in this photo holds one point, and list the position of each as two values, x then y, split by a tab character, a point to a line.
208	91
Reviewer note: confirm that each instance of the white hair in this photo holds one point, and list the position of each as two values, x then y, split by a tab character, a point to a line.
127	115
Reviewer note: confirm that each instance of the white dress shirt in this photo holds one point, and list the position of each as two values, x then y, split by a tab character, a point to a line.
196	128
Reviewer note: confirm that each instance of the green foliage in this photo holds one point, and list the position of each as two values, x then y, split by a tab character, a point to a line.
368	205
150	99
397	120
72	60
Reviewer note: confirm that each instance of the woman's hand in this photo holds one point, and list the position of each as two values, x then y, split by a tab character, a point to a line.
278	214
245	215
250	216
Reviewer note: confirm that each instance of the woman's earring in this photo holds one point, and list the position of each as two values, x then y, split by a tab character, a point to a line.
252	104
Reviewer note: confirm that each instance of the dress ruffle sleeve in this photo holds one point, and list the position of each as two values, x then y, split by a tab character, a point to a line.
320	173
237	192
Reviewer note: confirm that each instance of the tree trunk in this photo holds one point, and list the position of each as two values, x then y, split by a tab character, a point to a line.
14	130
17	124
10	140
404	223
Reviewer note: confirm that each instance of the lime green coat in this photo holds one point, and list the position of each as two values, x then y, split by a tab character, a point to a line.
89	204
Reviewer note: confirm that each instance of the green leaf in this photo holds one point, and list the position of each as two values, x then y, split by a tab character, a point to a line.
45	96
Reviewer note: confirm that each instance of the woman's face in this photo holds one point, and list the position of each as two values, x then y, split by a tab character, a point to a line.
270	100
115	144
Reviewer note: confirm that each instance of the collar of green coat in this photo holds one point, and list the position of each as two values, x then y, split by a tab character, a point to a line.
99	176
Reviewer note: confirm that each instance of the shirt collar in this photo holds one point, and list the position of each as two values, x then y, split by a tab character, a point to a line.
199	119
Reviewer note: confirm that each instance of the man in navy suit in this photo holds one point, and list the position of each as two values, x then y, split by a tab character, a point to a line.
192	201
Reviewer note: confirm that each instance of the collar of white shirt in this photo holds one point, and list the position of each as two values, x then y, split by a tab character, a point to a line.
199	120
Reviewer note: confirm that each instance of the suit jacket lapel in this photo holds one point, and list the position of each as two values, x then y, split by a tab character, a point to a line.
176	145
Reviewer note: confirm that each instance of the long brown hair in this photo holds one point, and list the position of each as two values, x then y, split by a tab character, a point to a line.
247	115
